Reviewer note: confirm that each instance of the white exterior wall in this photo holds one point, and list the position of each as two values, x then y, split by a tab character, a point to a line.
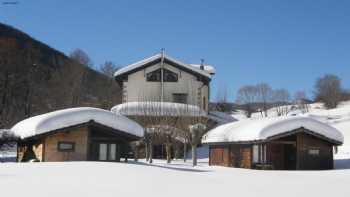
137	88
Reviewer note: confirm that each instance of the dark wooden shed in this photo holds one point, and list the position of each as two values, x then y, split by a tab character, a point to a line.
296	149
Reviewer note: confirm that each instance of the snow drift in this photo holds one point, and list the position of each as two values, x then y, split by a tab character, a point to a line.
73	116
262	129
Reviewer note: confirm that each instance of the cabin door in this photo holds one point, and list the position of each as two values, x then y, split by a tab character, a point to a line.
290	157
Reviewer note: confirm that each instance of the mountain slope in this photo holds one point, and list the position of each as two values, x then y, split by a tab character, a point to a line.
35	78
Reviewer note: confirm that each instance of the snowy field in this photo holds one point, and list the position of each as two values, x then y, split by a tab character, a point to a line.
177	179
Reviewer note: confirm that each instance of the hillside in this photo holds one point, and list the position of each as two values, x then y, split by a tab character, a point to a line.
35	78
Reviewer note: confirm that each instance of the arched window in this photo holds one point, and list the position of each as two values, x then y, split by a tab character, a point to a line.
168	76
154	75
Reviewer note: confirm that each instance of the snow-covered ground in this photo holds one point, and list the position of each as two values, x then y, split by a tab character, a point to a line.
177	179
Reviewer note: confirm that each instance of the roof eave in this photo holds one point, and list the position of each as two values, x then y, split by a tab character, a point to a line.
155	59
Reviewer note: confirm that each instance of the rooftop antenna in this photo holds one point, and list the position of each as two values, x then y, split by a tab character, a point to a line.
162	74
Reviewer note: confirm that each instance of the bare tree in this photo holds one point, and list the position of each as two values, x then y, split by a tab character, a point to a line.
247	96
281	98
346	95
197	131
300	100
194	124
160	121
264	92
80	74
328	90
7	139
222	104
108	68
81	57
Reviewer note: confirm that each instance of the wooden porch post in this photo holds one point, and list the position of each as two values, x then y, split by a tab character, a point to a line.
136	153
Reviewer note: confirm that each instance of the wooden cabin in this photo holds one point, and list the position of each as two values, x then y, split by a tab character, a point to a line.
77	134
288	143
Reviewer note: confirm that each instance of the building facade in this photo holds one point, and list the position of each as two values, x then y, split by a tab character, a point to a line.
161	78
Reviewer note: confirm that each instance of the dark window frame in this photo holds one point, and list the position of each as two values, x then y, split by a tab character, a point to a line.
204	103
167	73
314	151
178	95
65	150
155	76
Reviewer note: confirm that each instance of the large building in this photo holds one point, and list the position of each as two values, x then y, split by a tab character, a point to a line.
161	78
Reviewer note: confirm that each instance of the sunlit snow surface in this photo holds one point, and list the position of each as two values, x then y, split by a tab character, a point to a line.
87	179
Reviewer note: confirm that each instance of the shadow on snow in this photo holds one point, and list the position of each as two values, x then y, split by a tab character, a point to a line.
170	167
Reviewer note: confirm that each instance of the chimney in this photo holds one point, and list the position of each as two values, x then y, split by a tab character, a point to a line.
202	64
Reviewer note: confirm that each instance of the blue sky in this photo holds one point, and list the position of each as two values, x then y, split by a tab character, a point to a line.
285	43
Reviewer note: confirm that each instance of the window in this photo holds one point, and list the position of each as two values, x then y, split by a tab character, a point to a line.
154	76
180	98
255	153
259	153
204	103
314	152
112	151
108	152
102	156
66	146
168	76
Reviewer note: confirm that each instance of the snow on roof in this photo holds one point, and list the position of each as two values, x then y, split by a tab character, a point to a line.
141	63
221	117
208	68
262	129
157	109
69	117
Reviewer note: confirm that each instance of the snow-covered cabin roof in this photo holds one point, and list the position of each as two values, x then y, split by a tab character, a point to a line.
262	129
157	109
69	117
139	64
